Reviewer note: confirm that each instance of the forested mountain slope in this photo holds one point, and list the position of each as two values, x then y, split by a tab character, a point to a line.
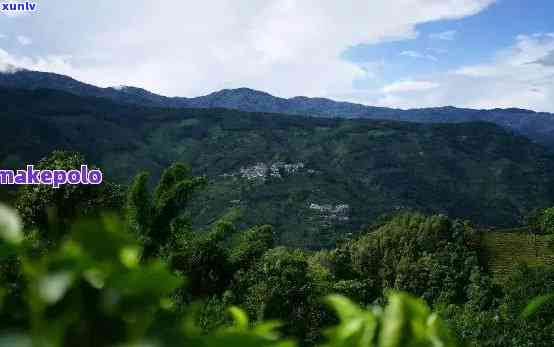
539	127
315	179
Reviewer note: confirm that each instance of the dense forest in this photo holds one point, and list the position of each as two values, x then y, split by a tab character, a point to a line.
315	180
115	265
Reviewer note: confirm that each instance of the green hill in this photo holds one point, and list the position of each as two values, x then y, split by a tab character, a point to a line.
315	179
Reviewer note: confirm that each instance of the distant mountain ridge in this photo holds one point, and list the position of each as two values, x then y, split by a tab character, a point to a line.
538	126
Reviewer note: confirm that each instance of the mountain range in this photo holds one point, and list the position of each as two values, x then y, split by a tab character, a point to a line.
537	126
315	179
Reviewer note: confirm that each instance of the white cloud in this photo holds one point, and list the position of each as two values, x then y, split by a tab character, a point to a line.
409	86
372	69
411	54
415	54
60	64
437	50
547	60
431	57
286	47
448	35
519	76
24	40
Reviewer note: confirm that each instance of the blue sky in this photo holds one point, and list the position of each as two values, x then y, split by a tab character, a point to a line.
397	53
466	41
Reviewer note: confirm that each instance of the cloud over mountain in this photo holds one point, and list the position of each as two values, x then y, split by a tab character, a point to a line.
189	48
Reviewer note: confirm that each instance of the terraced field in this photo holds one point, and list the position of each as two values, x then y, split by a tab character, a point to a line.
503	249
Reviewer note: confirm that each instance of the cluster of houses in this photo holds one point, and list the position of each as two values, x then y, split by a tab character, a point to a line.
261	171
333	212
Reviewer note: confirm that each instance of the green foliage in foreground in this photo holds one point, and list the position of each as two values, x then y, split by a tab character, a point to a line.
125	275
92	290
